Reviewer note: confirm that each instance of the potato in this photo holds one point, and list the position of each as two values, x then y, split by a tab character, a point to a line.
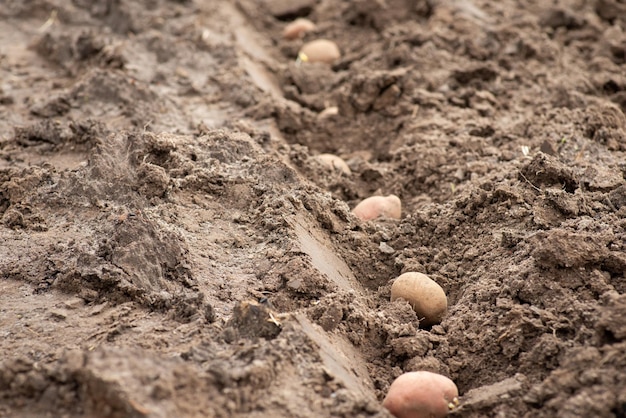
320	50
376	206
298	28
333	162
424	295
421	395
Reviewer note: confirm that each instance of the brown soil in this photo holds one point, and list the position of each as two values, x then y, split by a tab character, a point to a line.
171	247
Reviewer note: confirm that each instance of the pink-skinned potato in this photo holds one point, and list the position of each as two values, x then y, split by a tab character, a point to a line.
421	395
376	206
298	28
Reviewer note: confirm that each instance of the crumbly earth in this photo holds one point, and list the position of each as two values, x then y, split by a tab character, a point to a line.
171	247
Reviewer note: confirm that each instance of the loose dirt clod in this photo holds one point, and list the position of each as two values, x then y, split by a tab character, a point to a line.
253	319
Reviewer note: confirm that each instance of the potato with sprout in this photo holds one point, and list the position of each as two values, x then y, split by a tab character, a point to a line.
421	395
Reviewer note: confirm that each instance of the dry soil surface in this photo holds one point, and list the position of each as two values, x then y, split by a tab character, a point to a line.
170	245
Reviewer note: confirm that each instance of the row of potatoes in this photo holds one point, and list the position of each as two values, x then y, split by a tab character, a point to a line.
420	394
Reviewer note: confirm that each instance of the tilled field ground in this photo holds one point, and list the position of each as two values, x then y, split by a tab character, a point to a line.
171	246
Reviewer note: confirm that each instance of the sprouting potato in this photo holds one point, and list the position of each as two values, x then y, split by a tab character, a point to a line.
377	206
298	28
320	50
425	296
333	162
421	395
